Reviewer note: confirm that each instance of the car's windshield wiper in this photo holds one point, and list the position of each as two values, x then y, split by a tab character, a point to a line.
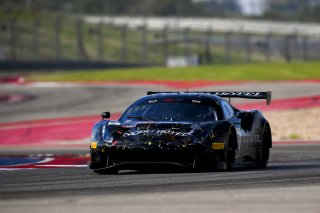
139	118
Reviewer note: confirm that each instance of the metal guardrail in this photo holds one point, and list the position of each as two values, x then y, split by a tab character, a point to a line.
216	24
66	65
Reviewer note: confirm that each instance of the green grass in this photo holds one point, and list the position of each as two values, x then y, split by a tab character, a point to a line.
294	136
234	72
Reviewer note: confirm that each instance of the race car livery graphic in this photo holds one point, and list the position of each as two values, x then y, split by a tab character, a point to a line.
198	130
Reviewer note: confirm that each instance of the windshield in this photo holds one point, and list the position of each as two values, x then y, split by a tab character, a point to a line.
174	111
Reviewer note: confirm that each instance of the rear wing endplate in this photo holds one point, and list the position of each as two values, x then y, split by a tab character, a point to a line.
231	94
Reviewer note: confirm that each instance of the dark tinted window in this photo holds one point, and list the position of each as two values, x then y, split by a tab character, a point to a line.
172	111
227	110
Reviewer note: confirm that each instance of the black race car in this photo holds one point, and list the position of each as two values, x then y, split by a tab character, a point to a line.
199	130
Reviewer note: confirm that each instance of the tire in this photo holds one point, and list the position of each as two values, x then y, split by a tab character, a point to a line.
109	171
229	152
264	149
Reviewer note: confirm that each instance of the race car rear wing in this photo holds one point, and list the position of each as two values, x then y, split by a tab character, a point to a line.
230	94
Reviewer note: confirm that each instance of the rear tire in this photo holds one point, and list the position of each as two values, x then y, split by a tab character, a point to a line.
264	149
229	152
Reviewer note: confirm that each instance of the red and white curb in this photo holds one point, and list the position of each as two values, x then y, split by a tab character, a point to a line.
43	161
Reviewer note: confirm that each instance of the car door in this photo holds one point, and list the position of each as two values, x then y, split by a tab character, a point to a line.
245	147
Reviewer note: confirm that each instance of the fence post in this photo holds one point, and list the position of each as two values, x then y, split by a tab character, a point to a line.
207	51
36	38
287	54
144	43
165	44
248	47
296	46
174	45
268	47
80	46
317	48
186	42
227	48
57	29
100	41
13	38
305	55
124	43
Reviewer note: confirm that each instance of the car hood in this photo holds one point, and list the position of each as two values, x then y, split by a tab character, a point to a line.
159	133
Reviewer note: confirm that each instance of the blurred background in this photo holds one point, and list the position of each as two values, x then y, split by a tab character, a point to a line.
112	33
63	62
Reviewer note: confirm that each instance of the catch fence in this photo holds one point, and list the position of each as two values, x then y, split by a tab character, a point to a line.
62	38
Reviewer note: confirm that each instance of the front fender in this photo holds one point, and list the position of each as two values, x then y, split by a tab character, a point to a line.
96	134
219	134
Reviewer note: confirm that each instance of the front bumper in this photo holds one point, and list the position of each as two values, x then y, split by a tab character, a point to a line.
195	156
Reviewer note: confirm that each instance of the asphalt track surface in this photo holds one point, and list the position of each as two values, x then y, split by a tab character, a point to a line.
67	100
291	182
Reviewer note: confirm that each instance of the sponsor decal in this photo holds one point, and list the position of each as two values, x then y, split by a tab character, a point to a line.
217	145
250	139
114	123
155	133
169	100
93	145
152	101
253	94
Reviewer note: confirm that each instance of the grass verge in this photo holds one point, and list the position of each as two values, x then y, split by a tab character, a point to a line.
234	72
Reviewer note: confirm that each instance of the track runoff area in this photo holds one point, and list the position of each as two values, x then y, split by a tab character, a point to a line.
54	135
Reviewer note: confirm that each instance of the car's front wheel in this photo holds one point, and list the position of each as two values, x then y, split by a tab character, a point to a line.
229	152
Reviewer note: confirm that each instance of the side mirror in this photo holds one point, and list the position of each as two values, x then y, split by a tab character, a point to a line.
105	115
